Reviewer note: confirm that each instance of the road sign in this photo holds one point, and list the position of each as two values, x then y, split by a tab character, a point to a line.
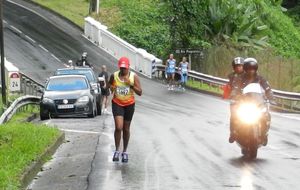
14	82
189	51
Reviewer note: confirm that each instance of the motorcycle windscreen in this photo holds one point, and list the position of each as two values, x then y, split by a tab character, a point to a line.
253	88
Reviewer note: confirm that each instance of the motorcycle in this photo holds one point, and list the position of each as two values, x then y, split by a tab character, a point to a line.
252	114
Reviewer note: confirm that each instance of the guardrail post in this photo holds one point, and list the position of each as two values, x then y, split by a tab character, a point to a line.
35	89
25	86
32	88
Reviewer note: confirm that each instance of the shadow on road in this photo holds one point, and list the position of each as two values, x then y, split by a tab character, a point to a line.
242	161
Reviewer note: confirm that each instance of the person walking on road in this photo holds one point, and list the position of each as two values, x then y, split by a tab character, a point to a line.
171	69
124	84
105	91
184	68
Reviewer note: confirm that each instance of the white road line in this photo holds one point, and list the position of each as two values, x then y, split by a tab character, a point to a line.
55	57
17	30
79	131
32	40
44	48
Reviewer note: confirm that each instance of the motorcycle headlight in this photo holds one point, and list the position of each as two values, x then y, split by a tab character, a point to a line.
48	100
83	99
249	113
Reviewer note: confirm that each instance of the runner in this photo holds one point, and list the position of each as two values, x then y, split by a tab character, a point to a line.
123	84
184	67
105	91
170	69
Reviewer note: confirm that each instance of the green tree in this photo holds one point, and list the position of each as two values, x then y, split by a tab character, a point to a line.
186	22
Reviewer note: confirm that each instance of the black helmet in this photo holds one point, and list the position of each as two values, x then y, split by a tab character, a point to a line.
237	61
250	64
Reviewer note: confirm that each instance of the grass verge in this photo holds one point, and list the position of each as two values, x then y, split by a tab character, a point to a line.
21	144
204	87
74	10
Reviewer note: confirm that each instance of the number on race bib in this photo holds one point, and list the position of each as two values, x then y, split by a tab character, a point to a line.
123	91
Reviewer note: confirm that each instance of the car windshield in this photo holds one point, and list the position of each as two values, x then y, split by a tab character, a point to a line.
88	73
67	84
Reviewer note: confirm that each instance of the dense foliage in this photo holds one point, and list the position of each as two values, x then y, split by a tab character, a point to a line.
225	28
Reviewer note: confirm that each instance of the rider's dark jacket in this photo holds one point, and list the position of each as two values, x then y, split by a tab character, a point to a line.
234	83
245	80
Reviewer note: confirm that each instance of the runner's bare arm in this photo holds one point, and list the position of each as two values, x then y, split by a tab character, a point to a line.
137	86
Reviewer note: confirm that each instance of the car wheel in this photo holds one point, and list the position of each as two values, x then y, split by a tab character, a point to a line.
92	115
94	112
44	116
99	108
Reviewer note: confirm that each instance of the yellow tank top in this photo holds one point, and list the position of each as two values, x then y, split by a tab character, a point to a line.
123	94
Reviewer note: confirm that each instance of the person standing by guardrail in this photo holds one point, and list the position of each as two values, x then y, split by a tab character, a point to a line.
184	68
170	69
124	84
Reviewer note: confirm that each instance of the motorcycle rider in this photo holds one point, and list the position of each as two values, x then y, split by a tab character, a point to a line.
233	86
83	61
251	76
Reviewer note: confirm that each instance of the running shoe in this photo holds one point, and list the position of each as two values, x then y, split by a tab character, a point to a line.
116	156
124	157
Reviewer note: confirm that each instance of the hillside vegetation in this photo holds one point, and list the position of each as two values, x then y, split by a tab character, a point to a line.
223	28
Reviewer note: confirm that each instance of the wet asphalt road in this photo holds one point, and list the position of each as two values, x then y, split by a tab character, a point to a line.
179	140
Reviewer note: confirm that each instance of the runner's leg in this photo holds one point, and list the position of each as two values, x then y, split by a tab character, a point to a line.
119	123
126	134
129	111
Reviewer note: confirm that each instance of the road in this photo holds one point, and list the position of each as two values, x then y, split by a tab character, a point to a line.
179	140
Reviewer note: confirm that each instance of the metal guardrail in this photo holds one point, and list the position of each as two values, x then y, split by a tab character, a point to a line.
17	104
286	100
31	91
29	86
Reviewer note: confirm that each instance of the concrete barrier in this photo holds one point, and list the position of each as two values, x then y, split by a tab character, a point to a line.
141	60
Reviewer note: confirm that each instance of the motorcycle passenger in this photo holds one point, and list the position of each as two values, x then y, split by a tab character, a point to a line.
233	85
251	76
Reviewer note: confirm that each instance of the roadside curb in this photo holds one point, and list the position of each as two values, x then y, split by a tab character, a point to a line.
55	13
36	166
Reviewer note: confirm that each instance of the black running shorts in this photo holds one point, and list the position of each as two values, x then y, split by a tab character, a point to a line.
125	111
105	92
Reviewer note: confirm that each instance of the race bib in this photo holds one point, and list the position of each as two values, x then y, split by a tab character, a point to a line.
184	70
123	91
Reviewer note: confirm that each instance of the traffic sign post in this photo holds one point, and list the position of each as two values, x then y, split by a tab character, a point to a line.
14	82
3	84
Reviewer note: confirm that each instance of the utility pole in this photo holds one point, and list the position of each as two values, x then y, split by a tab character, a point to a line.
3	84
94	6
